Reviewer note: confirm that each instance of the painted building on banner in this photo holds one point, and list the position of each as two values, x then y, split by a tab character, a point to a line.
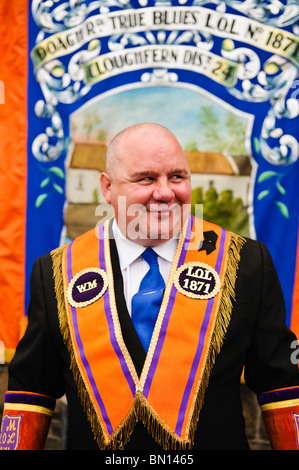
86	206
85	203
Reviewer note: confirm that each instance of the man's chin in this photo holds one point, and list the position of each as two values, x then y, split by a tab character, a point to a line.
154	227
161	232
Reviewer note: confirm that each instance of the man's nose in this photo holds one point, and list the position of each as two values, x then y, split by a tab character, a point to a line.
163	191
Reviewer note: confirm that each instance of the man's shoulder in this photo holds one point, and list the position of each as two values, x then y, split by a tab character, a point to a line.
208	226
90	236
249	245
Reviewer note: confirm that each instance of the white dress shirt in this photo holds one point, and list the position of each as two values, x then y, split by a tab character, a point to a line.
134	267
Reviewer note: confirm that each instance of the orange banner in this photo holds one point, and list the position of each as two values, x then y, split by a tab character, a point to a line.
13	167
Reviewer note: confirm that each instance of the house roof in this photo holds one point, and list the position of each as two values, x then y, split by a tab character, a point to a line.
89	156
209	162
92	156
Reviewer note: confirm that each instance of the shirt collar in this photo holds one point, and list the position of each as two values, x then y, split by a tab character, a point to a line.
128	251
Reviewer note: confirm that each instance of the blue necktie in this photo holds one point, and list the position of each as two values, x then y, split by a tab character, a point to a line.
146	303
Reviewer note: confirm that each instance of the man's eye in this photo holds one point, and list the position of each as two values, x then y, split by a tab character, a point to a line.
147	179
176	177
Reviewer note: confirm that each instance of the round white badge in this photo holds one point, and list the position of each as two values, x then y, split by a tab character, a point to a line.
87	286
197	280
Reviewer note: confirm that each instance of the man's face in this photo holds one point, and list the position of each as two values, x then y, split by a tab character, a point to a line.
150	188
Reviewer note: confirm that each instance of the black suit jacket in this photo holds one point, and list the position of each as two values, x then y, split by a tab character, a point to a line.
257	338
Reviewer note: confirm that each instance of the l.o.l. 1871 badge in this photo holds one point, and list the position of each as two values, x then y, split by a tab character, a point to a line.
87	286
197	280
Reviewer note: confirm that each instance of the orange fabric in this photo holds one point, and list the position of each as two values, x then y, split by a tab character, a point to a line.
13	169
93	325
171	376
295	309
183	336
282	428
33	429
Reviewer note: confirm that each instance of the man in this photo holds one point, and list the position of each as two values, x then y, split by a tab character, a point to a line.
168	382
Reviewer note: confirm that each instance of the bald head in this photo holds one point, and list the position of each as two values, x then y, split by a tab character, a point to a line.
142	131
147	182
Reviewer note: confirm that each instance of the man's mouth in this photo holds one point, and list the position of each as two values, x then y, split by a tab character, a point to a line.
163	211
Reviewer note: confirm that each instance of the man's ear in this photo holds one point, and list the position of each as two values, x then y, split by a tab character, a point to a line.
105	182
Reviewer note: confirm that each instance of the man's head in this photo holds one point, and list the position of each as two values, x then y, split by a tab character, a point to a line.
147	182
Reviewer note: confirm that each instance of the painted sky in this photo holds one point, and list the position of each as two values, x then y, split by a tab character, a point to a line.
177	108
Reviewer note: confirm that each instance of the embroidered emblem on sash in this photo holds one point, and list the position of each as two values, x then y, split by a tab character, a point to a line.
10	432
197	280
296	420
114	407
86	287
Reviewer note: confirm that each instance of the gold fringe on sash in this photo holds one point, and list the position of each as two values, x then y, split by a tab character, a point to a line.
57	256
221	324
122	433
141	409
159	430
57	261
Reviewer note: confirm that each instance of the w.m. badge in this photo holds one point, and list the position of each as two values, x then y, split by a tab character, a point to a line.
87	286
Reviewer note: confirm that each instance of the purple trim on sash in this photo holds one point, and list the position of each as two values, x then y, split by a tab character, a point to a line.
200	345
81	348
167	315
221	251
278	395
108	314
